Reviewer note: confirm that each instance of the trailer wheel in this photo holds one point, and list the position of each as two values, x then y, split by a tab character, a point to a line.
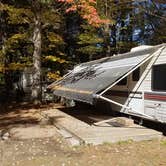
141	122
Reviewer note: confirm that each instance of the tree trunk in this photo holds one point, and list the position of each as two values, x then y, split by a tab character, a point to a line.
4	59
36	85
107	39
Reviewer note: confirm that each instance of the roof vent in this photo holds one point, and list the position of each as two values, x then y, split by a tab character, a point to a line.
140	48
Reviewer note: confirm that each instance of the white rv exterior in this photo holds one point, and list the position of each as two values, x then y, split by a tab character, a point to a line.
136	90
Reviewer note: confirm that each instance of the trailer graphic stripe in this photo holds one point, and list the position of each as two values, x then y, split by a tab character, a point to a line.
155	97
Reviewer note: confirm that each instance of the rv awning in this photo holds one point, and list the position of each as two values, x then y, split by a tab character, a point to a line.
88	79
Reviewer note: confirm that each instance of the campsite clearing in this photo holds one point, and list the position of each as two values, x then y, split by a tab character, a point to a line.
55	150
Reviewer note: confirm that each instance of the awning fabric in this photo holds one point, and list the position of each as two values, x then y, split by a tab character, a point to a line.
90	78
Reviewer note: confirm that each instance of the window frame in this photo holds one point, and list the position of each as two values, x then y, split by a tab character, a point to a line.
152	79
137	70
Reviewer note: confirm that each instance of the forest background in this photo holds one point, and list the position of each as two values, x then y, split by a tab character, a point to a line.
48	37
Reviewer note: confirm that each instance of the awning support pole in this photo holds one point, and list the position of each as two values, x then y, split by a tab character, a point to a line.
131	111
114	102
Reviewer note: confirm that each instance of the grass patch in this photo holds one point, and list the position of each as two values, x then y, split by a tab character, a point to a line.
125	142
107	143
163	142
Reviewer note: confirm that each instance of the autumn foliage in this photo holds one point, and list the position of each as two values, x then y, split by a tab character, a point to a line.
87	10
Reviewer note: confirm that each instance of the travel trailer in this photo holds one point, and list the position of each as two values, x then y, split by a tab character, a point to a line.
133	83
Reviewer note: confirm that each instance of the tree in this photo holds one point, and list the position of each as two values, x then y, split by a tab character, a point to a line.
13	41
118	34
132	23
18	45
151	23
35	9
90	43
87	11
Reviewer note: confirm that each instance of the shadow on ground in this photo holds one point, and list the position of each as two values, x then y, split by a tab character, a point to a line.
22	114
85	113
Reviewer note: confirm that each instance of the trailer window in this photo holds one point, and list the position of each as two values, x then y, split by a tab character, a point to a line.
136	74
159	77
123	81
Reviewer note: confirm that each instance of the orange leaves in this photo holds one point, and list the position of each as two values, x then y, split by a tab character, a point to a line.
67	1
71	9
87	11
92	1
90	13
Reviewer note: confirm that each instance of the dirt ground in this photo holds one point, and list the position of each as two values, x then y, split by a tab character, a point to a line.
55	151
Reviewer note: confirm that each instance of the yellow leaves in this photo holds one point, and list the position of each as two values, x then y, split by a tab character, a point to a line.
90	50
1	69
17	15
13	42
55	59
16	66
55	38
89	39
1	55
16	37
54	75
3	7
12	67
50	17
